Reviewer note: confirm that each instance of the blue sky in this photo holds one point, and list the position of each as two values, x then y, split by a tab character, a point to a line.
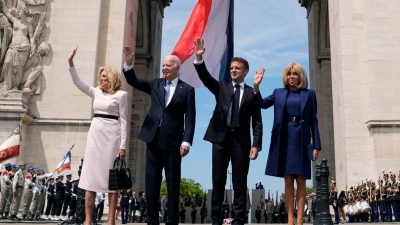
269	34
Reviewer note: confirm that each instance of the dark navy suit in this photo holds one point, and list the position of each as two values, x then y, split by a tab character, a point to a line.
177	121
230	145
309	126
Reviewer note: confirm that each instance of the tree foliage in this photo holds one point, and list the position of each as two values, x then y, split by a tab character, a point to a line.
189	187
309	190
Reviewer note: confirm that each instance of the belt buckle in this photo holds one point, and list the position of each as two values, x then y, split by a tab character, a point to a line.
232	129
293	119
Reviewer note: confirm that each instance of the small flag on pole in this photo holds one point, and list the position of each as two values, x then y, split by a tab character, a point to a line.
65	163
261	202
248	202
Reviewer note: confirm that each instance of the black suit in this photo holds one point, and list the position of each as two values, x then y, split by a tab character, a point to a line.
177	121
228	145
143	208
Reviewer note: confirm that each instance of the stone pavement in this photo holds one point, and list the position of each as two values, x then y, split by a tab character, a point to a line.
119	222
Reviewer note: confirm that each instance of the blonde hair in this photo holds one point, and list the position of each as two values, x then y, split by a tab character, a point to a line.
299	70
113	76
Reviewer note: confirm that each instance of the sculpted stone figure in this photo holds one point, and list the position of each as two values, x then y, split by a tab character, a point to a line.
34	68
21	47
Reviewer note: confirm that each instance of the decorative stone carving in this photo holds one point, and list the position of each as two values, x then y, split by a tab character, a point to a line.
24	26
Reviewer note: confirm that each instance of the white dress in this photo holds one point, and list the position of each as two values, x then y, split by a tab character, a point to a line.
106	136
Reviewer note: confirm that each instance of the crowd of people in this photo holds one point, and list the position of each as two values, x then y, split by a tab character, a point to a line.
368	201
235	131
33	186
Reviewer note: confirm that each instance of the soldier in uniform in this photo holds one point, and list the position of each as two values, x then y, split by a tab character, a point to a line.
39	195
50	189
381	194
225	209
203	214
18	188
73	202
68	194
35	195
60	195
6	189
42	201
393	197
374	203
11	196
30	180
333	199
387	186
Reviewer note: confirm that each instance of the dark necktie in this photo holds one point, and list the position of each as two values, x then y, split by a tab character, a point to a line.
235	107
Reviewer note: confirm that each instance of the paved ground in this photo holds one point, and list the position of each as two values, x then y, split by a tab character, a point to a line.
119	222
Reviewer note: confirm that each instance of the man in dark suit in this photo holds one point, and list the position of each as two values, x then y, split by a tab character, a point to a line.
229	132
313	206
258	214
143	208
134	207
168	130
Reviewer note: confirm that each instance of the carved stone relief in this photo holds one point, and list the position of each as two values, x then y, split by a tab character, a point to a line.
22	33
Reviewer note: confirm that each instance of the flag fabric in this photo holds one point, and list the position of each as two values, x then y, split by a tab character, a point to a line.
261	202
65	163
10	147
248	202
211	20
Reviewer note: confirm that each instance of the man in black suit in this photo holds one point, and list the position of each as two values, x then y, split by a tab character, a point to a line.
143	208
313	206
229	132
168	130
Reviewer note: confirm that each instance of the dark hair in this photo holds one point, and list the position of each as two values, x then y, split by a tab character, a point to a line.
240	59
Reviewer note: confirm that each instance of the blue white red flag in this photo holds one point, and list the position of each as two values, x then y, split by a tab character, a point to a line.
211	20
10	147
65	163
261	202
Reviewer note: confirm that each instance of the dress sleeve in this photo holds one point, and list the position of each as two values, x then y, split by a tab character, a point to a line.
88	90
123	118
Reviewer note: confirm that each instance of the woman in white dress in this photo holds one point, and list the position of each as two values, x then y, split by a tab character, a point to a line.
106	138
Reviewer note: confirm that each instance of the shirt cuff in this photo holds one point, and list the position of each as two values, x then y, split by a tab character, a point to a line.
126	68
198	62
187	144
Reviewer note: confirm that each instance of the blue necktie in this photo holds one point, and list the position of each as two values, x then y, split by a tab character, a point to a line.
166	88
235	107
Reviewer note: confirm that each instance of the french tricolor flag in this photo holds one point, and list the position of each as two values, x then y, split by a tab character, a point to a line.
65	163
213	21
10	147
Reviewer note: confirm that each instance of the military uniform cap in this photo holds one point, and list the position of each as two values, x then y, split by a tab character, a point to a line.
76	179
41	171
51	178
13	166
68	174
22	163
36	168
7	165
60	175
30	168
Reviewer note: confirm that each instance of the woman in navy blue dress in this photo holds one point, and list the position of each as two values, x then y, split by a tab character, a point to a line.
295	125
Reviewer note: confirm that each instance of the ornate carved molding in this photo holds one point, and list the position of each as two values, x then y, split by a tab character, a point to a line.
382	123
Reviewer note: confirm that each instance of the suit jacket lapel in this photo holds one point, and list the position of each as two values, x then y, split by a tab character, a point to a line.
161	90
246	91
178	90
283	96
304	98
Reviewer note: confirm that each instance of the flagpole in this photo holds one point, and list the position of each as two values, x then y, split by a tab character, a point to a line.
20	127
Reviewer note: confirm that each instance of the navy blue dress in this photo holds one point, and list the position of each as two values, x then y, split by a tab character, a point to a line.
290	159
